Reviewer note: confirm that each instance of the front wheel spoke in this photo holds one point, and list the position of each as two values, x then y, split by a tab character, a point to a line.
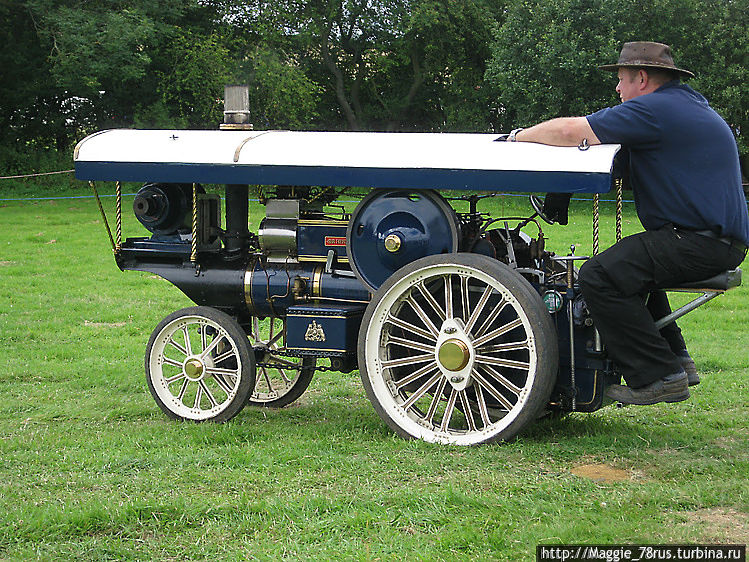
203	337
172	362
422	390
224	356
408	327
170	380
411	360
476	314
273	341
198	397
222	383
429	297
178	347
267	379
425	370
491	390
423	316
186	335
182	390
403	342
207	392
508	363
207	351
498	332
483	411
467	410
284	376
218	371
516	390
449	409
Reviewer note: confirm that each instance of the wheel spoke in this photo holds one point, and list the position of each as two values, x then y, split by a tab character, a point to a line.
212	346
498	332
224	356
416	375
203	337
421	391
182	390
267	378
476	314
172	362
481	404
170	380
448	296
222	383
423	316
467	410
207	392
486	359
510	346
273	342
491	390
449	408
432	302
435	401
464	296
411	360
177	346
217	371
188	347
285	378
255	333
496	311
409	327
198	396
403	342
516	390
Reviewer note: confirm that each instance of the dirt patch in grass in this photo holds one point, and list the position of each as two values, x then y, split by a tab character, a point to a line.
601	473
720	525
103	324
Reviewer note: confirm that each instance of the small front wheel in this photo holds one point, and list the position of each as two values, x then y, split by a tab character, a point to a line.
199	366
281	379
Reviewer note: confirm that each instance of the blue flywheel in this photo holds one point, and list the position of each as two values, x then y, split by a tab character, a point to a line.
392	228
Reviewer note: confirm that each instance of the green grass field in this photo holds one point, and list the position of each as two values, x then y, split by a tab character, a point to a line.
92	470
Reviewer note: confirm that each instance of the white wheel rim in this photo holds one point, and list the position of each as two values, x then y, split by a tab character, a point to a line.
401	353
195	367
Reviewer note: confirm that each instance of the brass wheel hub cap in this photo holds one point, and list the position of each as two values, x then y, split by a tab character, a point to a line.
454	355
194	369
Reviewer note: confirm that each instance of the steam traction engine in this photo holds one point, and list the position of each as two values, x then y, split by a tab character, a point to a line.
463	327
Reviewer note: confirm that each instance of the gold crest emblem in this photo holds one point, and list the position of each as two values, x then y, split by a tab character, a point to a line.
314	332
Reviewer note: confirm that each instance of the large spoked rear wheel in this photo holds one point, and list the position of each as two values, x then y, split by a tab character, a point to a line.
281	379
457	349
199	366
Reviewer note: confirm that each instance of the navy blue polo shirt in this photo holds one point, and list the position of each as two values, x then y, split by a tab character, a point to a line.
684	164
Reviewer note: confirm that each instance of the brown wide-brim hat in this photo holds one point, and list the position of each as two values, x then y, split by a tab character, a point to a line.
646	54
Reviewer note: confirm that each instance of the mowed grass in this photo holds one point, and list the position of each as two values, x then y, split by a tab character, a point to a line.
91	469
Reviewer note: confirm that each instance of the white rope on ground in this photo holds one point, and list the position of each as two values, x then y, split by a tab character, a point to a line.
36	175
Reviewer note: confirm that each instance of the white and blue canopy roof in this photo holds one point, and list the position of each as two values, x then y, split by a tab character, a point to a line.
378	160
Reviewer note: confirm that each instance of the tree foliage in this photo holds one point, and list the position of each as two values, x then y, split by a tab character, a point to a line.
71	67
545	53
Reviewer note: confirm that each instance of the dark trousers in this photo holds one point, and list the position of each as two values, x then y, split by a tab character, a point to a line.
621	287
